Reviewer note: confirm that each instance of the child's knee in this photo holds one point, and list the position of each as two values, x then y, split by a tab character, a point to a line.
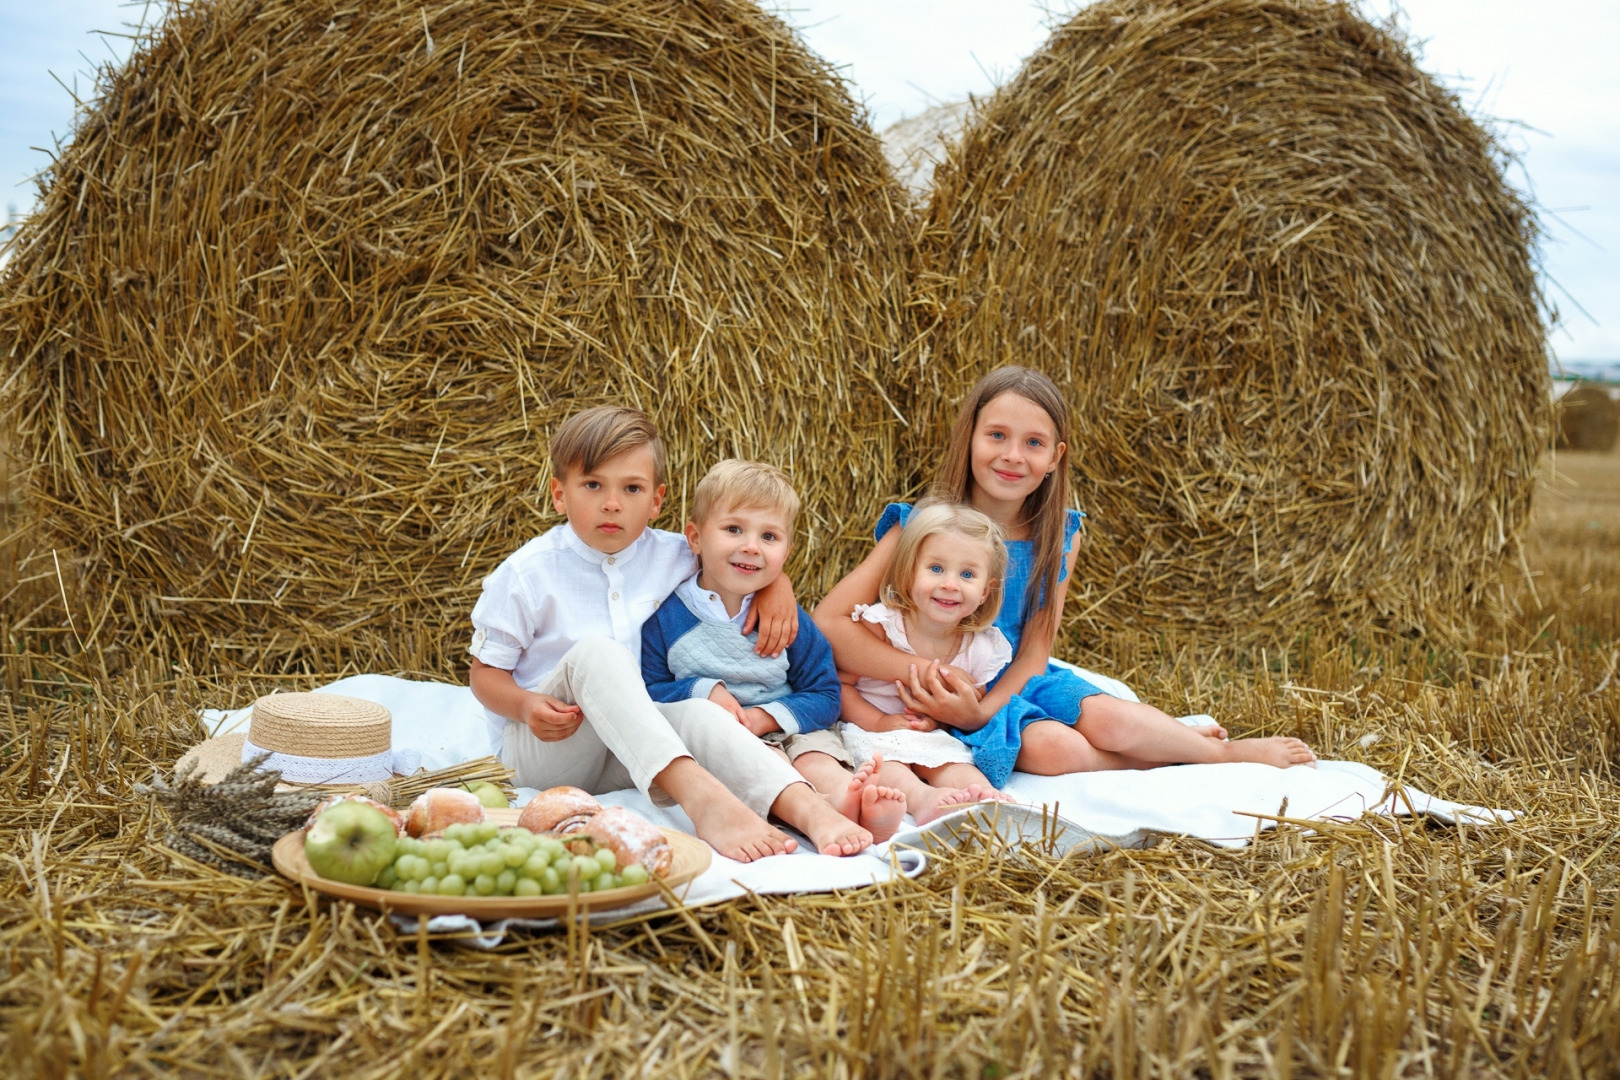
600	654
1049	748
1101	716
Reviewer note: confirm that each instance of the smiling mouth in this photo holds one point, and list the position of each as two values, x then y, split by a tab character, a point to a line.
743	568
1011	478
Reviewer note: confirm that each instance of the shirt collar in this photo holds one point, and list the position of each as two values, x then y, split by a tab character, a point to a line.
708	605
578	546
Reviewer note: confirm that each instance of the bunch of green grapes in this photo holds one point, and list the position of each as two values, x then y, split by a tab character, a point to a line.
483	860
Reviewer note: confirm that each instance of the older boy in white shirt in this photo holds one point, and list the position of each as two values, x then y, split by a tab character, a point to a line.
556	647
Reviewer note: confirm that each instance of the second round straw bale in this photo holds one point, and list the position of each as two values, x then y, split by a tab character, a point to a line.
311	284
1279	274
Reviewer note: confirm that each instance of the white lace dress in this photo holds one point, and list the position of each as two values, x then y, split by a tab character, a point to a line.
982	656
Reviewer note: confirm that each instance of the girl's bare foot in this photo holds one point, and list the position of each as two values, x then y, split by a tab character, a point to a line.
738	833
1279	750
848	801
882	811
944	800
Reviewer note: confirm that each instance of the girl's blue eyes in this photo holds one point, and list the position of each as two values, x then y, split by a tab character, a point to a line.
1033	442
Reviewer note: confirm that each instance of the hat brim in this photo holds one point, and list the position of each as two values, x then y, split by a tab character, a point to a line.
216	758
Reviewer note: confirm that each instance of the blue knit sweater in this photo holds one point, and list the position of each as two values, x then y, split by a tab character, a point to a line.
684	655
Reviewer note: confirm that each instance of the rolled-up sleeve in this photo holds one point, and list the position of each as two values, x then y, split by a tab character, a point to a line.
502	623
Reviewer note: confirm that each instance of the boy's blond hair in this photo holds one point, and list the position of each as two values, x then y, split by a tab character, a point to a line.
745	485
931	517
587	439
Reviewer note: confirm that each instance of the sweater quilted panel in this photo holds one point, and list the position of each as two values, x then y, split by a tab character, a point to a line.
711	650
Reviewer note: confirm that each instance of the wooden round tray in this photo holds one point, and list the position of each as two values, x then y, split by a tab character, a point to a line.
692	857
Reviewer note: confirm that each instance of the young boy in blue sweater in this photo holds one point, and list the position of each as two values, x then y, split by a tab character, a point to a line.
694	647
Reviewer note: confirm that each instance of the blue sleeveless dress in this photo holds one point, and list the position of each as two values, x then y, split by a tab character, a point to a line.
1054	695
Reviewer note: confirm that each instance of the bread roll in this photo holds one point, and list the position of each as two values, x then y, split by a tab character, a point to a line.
558	809
439	808
631	838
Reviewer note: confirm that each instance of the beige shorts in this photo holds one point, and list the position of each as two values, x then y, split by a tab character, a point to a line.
826	741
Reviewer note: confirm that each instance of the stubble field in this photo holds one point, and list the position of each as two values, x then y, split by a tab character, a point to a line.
1382	948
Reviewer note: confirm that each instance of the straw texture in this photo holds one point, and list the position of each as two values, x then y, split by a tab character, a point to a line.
1373	948
1280	276
1588	419
310	286
320	725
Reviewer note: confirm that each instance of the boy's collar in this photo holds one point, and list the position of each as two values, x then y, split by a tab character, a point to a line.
706	604
578	546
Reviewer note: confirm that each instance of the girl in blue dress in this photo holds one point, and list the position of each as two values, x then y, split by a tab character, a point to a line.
1008	459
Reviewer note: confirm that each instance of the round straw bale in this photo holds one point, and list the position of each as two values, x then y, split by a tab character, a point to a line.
1588	419
312	283
1279	273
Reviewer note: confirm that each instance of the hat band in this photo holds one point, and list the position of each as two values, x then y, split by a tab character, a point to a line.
297	769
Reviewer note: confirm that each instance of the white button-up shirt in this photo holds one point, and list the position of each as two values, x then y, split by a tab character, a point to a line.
557	589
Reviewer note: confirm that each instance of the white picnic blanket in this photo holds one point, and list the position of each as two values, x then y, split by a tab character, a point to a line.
1222	804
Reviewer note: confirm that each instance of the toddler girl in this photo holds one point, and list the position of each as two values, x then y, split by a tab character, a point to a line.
940	595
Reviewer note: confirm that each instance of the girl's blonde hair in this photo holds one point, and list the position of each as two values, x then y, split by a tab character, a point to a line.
930	518
1044	508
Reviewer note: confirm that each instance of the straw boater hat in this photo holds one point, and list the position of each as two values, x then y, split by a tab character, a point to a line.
312	739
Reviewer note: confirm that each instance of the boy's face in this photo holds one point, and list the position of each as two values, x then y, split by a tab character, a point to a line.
612	505
741	549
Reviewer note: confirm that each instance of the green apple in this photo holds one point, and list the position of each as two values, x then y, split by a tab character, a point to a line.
489	794
350	842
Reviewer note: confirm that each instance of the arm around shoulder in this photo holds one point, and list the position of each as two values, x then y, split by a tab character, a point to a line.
854	648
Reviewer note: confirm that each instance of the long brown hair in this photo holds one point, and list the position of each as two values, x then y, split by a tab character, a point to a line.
1044	508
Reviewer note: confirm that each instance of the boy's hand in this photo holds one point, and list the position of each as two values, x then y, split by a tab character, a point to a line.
551	719
758	721
775	614
723	698
920	723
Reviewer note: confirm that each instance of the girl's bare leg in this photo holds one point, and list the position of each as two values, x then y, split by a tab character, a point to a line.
1051	748
1131	729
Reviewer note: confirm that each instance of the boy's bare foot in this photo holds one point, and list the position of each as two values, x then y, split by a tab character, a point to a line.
801	806
848	801
737	832
882	811
1279	750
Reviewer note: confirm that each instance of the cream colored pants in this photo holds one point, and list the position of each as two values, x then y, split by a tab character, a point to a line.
627	738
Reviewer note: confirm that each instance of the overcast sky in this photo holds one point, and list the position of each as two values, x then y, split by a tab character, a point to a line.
1546	67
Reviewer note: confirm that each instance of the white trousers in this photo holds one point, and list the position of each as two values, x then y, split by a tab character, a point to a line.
627	738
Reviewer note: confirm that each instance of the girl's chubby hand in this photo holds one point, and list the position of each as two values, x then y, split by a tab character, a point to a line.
887	722
944	694
551	719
